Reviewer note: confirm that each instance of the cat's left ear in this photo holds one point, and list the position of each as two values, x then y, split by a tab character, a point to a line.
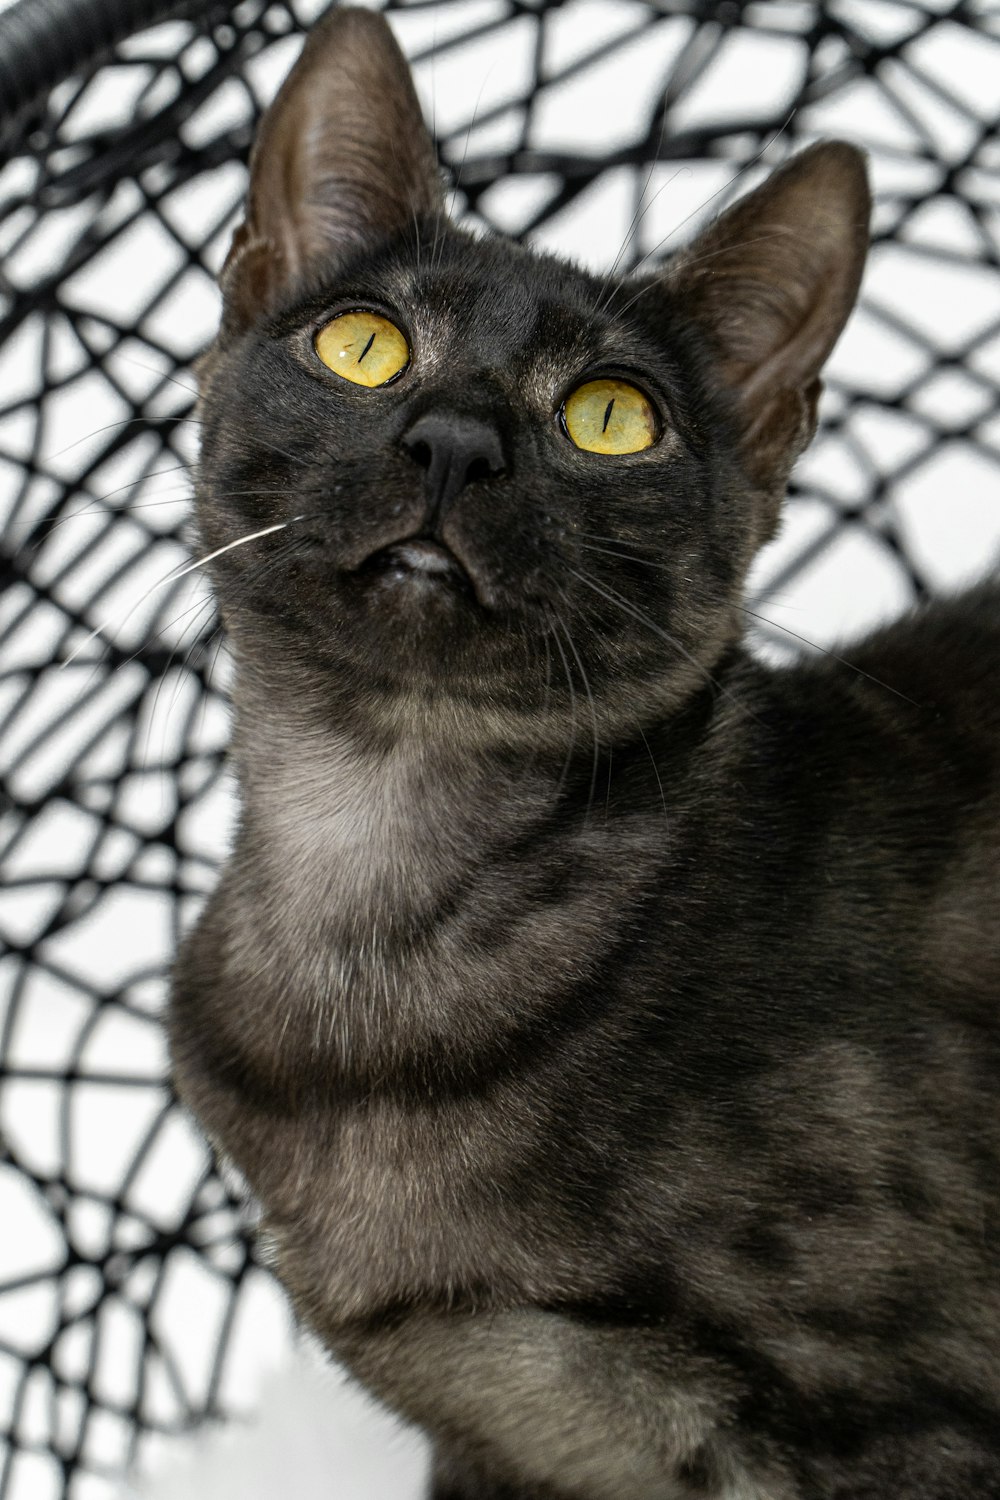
771	283
342	159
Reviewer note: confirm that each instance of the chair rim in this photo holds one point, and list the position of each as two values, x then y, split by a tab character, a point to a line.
43	42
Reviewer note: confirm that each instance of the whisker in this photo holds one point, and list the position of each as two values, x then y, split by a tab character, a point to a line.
593	711
623	541
192	390
644	619
608	289
656	770
198	609
416	229
642	207
173	494
718	192
173	577
269	447
439	217
698	259
764	619
185	665
472	125
572	700
754	615
149	421
625	556
772	600
546	702
199	605
99	507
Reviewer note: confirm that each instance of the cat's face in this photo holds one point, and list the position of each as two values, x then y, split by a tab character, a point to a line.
453	536
509	487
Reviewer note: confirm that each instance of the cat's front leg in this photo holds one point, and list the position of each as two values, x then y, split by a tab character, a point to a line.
534	1404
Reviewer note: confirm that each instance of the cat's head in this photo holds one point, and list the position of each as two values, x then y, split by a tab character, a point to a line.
518	495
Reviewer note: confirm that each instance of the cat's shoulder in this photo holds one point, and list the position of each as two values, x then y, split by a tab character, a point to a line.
940	663
956	628
915	704
943	658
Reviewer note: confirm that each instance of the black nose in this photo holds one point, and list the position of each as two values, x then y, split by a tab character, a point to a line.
455	450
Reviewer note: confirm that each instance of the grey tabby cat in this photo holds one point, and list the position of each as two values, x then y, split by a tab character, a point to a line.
606	1023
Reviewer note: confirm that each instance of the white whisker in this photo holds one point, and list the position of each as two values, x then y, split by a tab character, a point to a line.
643	619
192	390
712	196
109	426
608	288
173	577
590	700
99	506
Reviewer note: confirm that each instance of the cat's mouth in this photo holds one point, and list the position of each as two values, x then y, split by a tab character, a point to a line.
419	559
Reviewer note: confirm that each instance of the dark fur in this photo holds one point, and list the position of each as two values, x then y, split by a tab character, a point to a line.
606	1023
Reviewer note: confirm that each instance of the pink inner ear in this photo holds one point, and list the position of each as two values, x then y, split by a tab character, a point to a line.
342	159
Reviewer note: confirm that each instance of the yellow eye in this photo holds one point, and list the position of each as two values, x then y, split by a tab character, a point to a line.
609	416
363	348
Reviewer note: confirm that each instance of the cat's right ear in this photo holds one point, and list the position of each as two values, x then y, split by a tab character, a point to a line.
771	283
342	159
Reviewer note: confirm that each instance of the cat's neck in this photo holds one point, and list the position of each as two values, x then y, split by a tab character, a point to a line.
385	806
412	883
381	811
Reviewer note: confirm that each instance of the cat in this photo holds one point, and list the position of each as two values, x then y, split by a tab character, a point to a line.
604	1021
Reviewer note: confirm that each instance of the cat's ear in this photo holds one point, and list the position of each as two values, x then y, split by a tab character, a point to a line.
342	158
772	282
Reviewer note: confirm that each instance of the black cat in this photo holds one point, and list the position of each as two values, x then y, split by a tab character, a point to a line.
606	1022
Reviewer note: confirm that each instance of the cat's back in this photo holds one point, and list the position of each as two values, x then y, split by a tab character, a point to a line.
852	819
945	657
900	730
920	701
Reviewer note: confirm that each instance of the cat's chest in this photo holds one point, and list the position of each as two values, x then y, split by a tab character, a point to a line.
376	912
371	927
386	1207
339	835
